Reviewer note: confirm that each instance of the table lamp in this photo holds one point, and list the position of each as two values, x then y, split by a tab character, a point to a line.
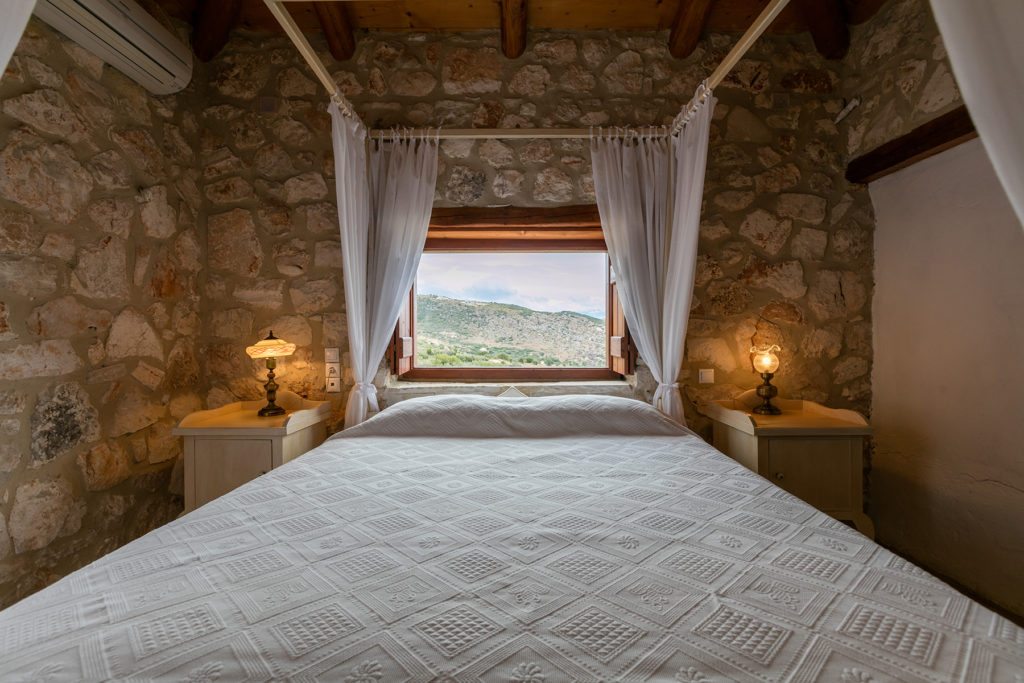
766	363
271	348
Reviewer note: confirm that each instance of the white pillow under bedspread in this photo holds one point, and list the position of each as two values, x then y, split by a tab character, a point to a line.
482	417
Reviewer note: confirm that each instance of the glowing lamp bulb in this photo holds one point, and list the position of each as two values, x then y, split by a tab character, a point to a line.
765	360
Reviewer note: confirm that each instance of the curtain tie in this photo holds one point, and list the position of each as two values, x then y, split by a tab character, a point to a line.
369	392
664	390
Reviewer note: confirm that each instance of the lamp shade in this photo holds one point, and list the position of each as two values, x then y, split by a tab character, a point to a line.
271	347
765	360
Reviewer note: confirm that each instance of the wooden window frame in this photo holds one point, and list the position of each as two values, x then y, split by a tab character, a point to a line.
515	229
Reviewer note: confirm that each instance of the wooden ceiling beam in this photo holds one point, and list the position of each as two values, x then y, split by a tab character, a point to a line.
513	27
214	21
859	11
341	40
928	139
688	26
826	21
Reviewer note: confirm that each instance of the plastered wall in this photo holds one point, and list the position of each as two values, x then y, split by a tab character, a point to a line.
948	477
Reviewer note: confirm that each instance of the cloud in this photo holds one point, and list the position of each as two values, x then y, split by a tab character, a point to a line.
543	282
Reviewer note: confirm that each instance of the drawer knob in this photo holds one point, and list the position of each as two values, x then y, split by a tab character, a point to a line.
780	475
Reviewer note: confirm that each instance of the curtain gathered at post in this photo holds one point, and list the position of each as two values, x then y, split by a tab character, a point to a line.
983	39
15	19
384	206
649	185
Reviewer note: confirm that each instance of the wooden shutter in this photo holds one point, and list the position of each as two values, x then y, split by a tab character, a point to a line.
402	348
621	352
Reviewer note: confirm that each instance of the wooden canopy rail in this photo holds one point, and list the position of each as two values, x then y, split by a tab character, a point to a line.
763	21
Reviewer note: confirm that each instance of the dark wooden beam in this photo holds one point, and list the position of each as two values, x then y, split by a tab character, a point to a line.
214	21
859	11
513	27
579	216
687	27
826	21
928	139
337	29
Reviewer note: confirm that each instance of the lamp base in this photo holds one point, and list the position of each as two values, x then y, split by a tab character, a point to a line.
270	410
767	392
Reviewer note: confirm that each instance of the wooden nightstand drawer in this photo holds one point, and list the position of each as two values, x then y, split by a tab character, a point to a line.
820	471
809	450
232	445
222	465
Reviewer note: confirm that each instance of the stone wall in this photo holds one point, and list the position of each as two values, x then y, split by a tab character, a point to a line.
100	256
272	234
142	233
897	66
785	251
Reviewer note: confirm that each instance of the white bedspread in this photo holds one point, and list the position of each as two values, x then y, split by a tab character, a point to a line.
608	546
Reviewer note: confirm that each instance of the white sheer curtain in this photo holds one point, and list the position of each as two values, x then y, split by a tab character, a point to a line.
383	213
983	38
649	186
16	14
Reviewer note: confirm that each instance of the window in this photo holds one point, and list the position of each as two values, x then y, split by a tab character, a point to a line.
513	295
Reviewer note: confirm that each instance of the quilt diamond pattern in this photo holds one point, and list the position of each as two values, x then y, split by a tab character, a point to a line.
601	544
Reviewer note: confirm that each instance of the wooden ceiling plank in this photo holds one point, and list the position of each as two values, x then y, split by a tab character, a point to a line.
341	41
513	27
214	21
928	139
689	23
826	21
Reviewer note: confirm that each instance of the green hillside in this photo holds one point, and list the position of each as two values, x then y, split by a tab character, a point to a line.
459	333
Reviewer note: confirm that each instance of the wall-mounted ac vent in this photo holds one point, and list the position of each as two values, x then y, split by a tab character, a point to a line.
124	36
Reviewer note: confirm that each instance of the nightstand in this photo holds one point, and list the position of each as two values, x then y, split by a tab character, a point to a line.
228	446
815	453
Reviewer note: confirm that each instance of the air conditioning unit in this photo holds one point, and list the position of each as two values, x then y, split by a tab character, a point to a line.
126	37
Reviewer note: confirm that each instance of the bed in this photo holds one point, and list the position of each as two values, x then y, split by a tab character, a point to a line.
514	540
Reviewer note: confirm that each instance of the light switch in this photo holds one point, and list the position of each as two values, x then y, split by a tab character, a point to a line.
706	376
332	355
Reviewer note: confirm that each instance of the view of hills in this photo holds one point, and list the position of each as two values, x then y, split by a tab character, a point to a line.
461	333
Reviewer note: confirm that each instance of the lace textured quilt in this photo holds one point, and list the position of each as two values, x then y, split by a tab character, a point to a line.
549	541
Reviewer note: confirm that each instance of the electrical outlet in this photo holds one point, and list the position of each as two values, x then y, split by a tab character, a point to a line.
706	376
332	355
332	371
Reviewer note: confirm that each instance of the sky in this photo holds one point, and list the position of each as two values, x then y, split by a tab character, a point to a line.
544	282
